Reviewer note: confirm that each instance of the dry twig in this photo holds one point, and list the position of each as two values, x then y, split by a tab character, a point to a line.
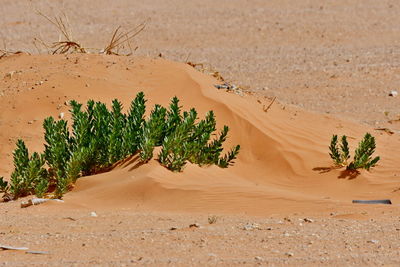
270	104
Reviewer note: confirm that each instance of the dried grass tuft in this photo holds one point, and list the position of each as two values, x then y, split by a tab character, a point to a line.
121	39
68	45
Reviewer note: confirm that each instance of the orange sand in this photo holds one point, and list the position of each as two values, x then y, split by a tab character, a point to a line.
283	165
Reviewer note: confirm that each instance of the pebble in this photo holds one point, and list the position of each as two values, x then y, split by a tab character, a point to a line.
194	225
93	214
251	226
258	258
61	115
289	254
373	241
393	93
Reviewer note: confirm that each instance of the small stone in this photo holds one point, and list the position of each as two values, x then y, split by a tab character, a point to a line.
289	254
194	225
373	241
251	226
93	214
61	115
393	93
307	220
258	258
9	75
30	122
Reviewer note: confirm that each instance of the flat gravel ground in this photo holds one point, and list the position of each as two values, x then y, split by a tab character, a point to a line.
368	237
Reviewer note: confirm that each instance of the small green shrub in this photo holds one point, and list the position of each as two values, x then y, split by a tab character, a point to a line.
134	125
28	171
190	141
117	124
363	154
153	132
362	157
340	155
3	185
100	137
176	147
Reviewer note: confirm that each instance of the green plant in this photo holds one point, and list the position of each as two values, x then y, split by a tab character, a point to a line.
3	185
153	132
57	150
41	187
187	140
340	155
117	124
363	153
176	146
134	124
101	132
28	171
100	137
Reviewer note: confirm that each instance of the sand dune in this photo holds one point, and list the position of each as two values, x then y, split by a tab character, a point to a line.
283	165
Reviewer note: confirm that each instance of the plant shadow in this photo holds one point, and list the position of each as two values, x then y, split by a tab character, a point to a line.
344	174
325	169
135	161
349	174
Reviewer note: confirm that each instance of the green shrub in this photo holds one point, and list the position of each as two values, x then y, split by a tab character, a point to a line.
176	147
134	125
190	141
362	157
363	154
3	185
57	150
341	154
28	171
153	132
100	137
117	124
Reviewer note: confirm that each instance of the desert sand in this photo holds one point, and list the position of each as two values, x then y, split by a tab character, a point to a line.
281	203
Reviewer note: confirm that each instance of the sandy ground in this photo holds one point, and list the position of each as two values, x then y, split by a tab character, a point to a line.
281	203
281	177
